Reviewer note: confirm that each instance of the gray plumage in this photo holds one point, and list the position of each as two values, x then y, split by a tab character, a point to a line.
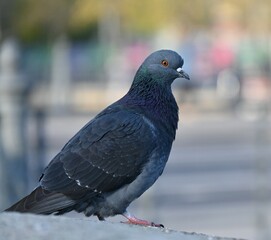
119	154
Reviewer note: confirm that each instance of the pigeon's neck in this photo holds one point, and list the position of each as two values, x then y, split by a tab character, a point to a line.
155	102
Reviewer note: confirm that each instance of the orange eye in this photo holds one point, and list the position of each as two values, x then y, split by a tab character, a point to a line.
164	63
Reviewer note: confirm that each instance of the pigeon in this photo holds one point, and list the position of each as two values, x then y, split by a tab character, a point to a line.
118	154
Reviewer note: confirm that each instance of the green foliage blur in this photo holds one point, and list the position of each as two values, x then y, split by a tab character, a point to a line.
43	20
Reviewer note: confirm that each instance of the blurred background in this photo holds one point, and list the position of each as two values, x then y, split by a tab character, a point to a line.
63	61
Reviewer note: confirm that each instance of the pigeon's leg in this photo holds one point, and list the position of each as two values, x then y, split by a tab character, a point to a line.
100	218
133	220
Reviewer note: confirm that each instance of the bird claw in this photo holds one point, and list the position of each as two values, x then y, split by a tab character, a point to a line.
144	223
152	224
159	225
133	220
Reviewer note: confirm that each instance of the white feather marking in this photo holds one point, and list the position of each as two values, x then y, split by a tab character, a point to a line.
153	129
69	176
78	182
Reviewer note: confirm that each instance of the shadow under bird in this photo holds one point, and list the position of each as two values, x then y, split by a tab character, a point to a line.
119	154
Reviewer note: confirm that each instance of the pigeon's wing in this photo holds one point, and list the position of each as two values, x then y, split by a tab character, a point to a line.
106	154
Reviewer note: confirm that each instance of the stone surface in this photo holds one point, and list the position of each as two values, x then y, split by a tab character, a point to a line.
32	227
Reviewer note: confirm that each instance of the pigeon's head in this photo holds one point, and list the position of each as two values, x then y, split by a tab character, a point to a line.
164	66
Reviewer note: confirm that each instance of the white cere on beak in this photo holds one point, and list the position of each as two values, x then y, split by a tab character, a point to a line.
179	70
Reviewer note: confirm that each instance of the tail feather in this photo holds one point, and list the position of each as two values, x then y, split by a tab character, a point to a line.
41	201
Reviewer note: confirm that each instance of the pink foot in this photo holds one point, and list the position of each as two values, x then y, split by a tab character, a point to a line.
133	220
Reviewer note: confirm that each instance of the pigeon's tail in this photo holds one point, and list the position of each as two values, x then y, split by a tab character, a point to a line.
41	201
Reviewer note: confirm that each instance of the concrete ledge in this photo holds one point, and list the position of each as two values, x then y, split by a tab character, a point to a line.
14	226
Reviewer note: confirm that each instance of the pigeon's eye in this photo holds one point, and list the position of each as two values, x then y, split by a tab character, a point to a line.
164	63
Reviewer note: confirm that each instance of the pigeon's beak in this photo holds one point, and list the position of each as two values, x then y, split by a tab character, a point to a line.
183	74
